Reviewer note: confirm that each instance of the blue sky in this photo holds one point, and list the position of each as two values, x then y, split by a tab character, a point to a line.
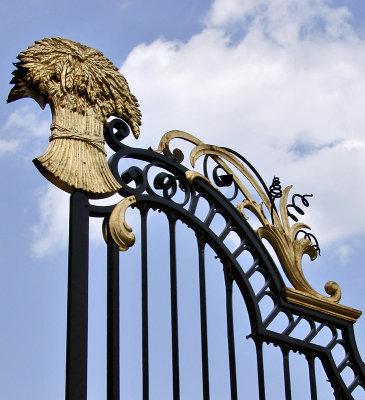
279	81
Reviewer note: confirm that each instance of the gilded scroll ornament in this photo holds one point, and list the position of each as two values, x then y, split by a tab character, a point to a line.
277	230
83	88
119	229
192	175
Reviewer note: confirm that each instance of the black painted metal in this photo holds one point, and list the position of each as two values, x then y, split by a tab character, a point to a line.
260	368
203	317
77	307
174	311
158	191
285	352
312	377
113	390
228	276
144	273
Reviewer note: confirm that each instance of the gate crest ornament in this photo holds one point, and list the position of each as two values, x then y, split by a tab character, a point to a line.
283	237
83	88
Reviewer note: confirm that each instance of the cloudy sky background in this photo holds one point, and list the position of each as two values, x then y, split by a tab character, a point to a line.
280	81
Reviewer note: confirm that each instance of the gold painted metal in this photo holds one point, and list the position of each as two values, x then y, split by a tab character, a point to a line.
192	175
278	232
119	229
170	135
83	88
328	307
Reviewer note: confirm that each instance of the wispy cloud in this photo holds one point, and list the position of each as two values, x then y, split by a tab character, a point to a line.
291	84
8	146
51	233
287	94
123	4
25	132
27	123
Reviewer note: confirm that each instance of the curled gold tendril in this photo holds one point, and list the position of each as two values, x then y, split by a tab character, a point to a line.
280	234
119	229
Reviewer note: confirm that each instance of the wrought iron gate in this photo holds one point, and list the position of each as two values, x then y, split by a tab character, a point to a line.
153	181
83	89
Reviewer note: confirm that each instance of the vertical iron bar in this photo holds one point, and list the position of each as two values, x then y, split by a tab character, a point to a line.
312	377
113	384
203	317
174	312
260	368
77	301
145	362
285	352
230	330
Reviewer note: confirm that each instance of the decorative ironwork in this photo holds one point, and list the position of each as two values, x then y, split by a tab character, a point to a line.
275	188
275	193
306	235
283	237
119	229
305	203
83	88
161	182
176	191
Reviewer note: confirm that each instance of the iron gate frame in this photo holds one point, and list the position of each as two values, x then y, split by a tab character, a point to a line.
143	196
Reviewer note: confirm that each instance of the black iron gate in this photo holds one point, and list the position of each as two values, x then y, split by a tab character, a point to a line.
151	182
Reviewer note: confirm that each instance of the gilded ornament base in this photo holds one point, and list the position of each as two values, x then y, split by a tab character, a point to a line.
321	304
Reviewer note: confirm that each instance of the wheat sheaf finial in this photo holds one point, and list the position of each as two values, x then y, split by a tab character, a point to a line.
83	88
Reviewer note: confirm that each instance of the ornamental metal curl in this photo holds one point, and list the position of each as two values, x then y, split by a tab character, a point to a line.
280	234
160	182
119	229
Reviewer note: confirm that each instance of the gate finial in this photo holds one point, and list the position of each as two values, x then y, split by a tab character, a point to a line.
83	88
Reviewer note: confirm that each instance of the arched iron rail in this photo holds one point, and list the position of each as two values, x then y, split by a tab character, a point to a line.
147	190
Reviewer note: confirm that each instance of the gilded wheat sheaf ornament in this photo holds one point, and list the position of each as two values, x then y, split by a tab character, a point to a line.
83	88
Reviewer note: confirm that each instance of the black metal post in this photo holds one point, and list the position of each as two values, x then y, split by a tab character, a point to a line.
144	275
113	383
260	368
174	310
312	376
230	330
77	305
285	352
203	317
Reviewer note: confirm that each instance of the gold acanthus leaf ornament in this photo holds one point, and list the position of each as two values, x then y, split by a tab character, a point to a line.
83	88
282	237
120	231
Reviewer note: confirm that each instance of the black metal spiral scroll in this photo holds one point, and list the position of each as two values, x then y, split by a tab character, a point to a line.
297	209
300	211
115	131
275	193
310	237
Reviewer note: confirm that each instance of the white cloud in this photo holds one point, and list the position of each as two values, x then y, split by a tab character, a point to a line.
26	122
282	21
51	233
8	146
25	132
280	82
288	94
